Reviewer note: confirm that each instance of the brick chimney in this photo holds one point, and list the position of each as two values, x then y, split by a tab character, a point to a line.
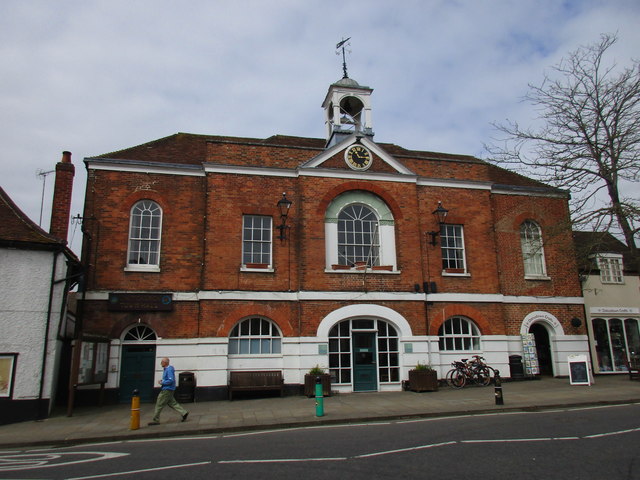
61	208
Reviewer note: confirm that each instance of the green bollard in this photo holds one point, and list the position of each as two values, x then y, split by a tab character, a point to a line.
319	399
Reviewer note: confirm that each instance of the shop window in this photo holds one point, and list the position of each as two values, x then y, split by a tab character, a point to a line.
615	340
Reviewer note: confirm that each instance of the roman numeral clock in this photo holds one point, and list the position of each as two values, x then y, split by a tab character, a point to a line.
358	157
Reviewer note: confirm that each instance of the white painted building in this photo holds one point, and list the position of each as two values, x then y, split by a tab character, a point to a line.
37	270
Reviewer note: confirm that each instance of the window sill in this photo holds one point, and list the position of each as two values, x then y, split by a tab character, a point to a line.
449	273
254	355
377	269
256	268
537	277
142	268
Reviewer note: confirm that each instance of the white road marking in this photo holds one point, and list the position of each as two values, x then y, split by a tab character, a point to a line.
619	432
287	460
130	472
10	463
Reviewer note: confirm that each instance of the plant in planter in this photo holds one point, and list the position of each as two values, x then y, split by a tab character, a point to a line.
423	378
310	379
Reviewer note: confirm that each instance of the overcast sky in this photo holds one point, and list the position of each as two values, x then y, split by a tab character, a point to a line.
93	77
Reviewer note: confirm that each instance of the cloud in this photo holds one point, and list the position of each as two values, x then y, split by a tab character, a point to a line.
94	77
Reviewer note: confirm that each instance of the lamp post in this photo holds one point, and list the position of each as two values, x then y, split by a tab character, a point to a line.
284	204
441	214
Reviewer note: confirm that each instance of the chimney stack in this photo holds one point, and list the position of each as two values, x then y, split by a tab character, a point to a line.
61	208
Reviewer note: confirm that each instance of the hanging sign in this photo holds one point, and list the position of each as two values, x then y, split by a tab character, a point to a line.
579	370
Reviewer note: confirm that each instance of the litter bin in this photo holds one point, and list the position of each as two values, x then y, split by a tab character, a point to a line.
515	366
185	393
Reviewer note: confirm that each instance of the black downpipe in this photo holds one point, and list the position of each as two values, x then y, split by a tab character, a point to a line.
42	414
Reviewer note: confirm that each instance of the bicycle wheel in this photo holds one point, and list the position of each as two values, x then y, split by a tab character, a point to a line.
482	376
456	378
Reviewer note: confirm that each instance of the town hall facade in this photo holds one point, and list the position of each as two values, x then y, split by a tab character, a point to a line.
284	253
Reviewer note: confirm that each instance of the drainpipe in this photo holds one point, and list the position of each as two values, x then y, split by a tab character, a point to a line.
41	413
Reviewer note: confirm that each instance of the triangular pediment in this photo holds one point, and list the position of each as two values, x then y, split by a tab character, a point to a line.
334	158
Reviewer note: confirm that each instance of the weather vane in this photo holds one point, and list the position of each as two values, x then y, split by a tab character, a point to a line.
342	45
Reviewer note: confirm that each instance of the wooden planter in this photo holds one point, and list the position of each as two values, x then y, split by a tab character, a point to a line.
310	384
423	380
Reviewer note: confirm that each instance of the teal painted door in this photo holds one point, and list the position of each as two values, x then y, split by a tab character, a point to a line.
365	367
137	372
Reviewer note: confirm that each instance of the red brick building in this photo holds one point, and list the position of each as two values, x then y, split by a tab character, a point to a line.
190	257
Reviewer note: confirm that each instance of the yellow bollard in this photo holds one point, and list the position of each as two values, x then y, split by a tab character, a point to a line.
135	410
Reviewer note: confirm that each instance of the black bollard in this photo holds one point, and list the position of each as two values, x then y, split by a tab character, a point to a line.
498	384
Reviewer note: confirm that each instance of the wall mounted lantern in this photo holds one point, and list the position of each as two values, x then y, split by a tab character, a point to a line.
441	214
284	204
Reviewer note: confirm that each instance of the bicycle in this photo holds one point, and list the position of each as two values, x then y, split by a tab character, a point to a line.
465	371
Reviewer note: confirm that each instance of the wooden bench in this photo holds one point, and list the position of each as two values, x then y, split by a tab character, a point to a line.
634	367
240	381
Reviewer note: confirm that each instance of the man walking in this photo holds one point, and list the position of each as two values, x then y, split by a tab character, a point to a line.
165	397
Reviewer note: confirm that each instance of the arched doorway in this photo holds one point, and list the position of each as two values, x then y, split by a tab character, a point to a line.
364	352
543	348
138	363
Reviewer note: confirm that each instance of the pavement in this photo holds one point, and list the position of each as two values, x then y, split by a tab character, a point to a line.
91	424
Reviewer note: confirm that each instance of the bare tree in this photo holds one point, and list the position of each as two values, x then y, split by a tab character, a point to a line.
587	141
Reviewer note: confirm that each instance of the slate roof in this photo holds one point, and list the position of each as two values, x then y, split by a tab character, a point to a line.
283	151
590	243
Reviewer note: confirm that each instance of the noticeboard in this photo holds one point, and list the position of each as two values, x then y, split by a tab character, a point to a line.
579	370
92	368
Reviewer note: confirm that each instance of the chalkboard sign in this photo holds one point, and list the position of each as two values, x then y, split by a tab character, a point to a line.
579	370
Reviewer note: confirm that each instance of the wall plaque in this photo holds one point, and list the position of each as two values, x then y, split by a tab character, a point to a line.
140	302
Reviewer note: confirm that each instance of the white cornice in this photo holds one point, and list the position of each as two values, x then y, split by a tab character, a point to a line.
438	182
353	296
248	170
144	167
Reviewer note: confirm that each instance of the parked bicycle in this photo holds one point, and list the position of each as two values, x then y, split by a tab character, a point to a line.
470	371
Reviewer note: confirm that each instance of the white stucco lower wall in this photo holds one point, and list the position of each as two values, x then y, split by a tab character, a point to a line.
24	308
208	359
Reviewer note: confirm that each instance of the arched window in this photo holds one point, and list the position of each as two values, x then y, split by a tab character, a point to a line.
358	238
255	336
140	333
459	333
532	250
359	227
145	229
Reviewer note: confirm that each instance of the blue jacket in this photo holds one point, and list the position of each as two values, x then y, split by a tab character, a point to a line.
169	378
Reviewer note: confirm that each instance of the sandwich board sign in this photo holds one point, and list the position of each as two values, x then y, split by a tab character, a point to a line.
579	370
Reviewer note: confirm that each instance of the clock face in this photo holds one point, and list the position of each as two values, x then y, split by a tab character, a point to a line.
358	157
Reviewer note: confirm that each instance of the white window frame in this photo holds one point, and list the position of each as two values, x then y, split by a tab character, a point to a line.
155	210
452	239
467	333
386	232
266	237
532	251
611	268
254	333
358	226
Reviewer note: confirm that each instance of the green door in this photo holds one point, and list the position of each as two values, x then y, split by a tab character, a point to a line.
137	372
365	368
